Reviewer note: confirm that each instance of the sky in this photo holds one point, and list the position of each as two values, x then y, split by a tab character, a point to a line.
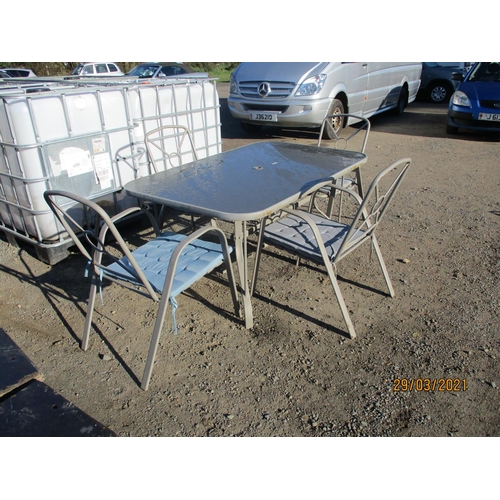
222	31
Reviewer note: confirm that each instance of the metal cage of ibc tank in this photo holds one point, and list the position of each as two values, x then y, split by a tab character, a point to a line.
88	137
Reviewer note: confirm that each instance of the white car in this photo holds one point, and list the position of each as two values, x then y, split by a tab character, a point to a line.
16	73
94	69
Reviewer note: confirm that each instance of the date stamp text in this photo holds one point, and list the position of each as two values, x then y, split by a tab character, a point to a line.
430	384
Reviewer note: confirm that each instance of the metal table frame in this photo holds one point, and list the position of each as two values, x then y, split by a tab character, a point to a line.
246	184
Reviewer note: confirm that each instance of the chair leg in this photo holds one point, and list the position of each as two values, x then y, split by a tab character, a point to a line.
260	244
90	311
161	218
331	200
155	340
340	206
340	300
382	266
232	284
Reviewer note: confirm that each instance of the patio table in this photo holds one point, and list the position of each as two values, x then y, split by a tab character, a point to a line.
246	184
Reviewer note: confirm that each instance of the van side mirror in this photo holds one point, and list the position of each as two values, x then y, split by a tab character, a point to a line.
459	77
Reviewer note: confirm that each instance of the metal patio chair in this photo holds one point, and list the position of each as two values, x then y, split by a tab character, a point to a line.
342	138
160	269
327	241
169	146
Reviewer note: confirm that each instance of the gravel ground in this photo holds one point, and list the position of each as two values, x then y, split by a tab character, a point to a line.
295	373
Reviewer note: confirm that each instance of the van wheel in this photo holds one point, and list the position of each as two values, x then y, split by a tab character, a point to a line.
250	128
336	108
402	102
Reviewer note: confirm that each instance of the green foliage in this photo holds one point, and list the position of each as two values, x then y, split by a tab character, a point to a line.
220	70
210	67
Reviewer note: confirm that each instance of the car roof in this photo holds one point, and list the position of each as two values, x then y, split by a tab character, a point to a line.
16	69
163	64
98	62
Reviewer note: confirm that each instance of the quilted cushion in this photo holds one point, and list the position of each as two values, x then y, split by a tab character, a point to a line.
196	260
295	235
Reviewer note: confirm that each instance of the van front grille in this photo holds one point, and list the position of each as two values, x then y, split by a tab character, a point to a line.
278	90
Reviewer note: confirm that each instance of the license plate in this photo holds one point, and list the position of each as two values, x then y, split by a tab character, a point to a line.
489	117
264	117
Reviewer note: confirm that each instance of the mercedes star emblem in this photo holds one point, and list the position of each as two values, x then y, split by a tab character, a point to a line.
264	89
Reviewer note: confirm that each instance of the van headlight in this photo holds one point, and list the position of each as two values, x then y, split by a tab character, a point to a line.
312	85
460	99
233	86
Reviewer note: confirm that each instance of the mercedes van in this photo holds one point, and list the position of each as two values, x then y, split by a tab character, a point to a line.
302	94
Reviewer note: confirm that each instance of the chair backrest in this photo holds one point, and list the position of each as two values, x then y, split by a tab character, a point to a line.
343	139
92	229
374	205
170	144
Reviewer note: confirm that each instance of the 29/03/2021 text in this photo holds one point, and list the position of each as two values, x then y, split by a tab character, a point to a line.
429	385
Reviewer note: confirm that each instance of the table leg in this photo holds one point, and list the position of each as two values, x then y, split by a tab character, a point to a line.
359	182
240	237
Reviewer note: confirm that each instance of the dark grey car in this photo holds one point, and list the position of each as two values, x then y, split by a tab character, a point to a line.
436	84
165	70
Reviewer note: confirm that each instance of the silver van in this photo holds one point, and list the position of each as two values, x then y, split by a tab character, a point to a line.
302	94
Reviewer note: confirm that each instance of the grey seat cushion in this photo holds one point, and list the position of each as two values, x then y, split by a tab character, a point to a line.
295	235
196	260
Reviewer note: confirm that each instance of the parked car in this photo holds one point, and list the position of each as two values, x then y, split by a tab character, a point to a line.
302	94
475	105
94	69
16	73
165	70
436	82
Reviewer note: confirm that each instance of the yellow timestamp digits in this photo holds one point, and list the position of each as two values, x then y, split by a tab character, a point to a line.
430	384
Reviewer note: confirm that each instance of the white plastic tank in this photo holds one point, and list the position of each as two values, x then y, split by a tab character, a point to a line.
43	132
